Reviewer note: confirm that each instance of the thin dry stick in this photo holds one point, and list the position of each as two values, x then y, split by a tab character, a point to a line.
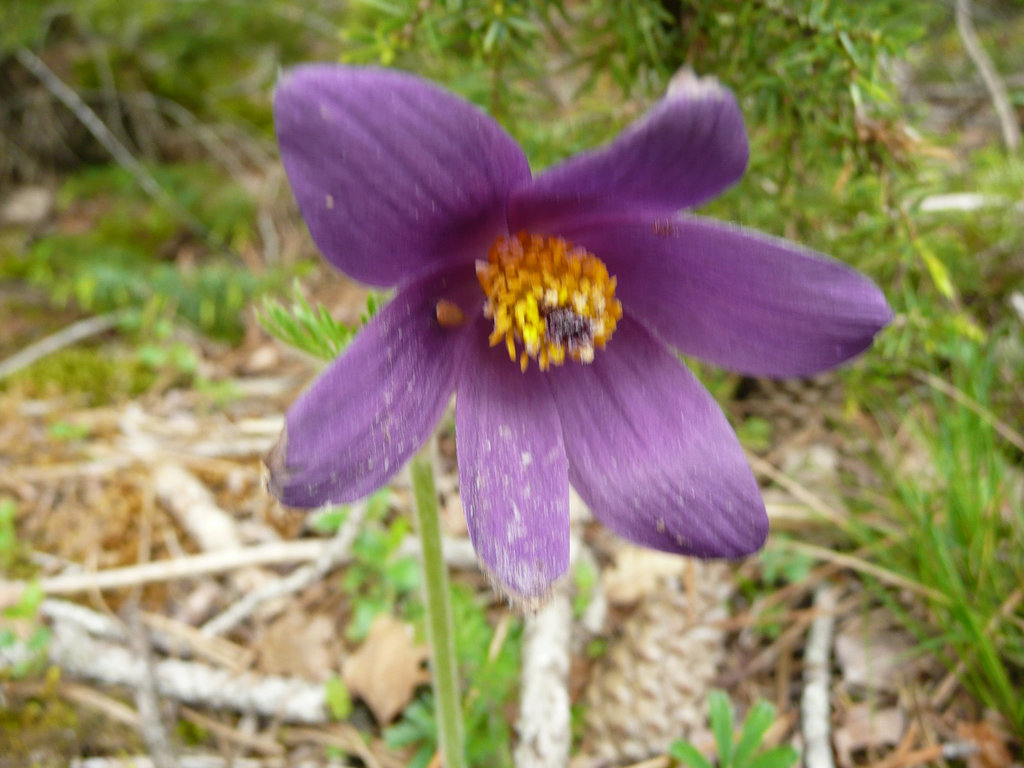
332	555
341	735
195	509
1001	427
863	566
152	728
192	566
70	99
814	703
954	750
167	635
202	761
995	86
808	497
458	553
72	334
544	732
654	762
81	695
257	743
286	699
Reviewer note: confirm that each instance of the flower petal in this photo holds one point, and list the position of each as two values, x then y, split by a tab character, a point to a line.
372	408
738	298
392	174
686	150
513	475
652	454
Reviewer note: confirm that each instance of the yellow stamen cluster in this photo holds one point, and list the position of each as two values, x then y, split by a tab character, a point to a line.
549	297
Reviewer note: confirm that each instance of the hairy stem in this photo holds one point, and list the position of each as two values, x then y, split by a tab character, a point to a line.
440	627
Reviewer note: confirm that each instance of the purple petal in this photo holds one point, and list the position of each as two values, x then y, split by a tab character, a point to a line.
686	150
372	408
652	454
513	475
738	298
392	174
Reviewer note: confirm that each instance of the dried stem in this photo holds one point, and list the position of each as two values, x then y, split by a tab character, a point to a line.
335	553
99	130
814	704
544	732
74	333
457	552
995	86
147	702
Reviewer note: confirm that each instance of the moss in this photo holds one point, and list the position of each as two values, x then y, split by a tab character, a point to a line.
38	728
93	375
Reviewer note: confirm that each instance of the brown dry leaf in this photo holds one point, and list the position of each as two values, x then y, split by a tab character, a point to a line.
992	750
638	572
453	518
299	644
872	655
26	206
387	668
866	727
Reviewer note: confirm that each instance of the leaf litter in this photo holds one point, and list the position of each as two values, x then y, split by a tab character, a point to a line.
175	472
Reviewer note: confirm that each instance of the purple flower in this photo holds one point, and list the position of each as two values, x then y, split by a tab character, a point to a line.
554	307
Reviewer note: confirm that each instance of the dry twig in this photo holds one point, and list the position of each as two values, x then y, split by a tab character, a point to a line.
458	553
544	731
72	334
79	655
204	761
99	130
193	506
337	551
151	726
814	704
996	88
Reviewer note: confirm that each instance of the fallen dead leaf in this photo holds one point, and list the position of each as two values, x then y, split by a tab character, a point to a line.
871	655
638	572
867	727
992	750
387	668
299	644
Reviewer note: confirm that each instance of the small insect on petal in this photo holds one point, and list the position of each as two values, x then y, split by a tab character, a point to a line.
448	314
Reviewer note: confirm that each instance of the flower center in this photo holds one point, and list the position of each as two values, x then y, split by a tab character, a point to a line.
549	297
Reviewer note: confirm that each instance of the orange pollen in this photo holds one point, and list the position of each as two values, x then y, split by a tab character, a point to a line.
448	314
548	299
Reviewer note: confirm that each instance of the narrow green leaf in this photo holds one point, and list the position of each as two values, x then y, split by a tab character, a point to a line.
759	720
782	756
339	702
687	754
937	270
721	726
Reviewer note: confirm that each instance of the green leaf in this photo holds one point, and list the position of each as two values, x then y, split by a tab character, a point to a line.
937	270
782	756
404	574
687	754
310	329
330	520
759	720
721	726
27	604
339	702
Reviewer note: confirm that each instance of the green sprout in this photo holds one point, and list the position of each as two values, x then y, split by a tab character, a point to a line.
736	750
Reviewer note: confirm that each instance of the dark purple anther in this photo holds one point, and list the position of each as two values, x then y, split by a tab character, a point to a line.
563	326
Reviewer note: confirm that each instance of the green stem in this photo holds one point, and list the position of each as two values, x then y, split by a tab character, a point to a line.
440	626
